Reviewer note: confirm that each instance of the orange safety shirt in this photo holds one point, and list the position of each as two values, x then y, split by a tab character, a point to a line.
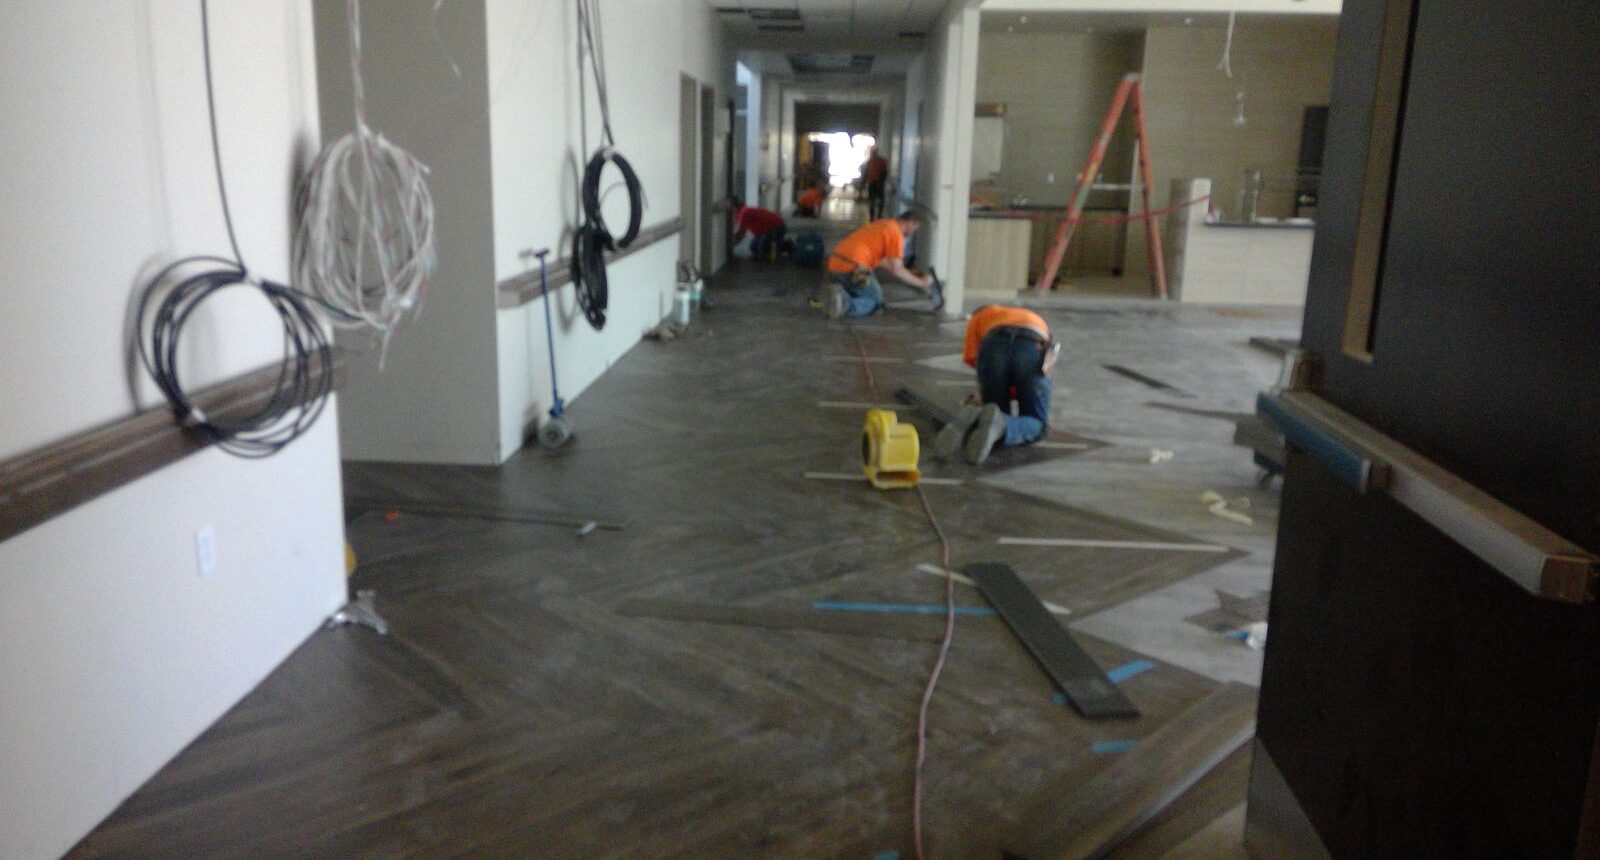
990	317
868	246
810	198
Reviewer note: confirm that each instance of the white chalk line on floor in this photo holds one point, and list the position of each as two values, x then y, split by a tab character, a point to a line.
1111	544
935	570
857	476
855	404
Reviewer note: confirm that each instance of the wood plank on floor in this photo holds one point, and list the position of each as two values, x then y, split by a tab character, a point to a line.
1075	819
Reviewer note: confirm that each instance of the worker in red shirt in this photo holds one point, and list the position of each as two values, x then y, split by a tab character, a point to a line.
766	226
1013	353
876	172
853	289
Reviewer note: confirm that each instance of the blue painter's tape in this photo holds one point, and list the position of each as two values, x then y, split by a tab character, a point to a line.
891	854
916	608
1117	676
1111	747
1128	670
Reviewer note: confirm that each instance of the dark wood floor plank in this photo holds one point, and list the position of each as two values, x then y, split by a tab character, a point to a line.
1075	820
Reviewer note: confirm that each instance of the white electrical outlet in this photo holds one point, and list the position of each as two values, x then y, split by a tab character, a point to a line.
205	550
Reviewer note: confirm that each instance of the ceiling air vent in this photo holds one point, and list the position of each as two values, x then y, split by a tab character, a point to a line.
849	64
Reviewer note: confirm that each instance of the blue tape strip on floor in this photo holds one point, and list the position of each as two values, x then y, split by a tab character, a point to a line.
917	608
1110	747
887	855
1117	676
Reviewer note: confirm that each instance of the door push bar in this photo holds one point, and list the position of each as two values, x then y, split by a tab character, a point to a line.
1530	555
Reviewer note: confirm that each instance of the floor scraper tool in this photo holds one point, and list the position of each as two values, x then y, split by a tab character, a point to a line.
555	431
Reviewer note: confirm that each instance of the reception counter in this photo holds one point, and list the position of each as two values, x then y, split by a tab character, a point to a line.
1258	263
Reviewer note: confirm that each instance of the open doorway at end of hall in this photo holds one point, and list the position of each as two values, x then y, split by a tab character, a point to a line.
832	141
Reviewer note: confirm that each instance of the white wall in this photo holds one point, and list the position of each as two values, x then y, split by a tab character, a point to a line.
114	652
944	164
538	147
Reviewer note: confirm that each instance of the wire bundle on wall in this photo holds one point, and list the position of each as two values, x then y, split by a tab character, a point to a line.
305	376
304	381
593	238
365	244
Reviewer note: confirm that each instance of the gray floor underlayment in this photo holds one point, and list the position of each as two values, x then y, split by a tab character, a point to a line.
515	711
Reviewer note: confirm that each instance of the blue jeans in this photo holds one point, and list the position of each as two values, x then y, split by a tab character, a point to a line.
1008	359
864	299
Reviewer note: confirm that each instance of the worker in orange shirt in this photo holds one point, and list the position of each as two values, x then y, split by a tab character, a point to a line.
1013	352
876	172
853	289
809	203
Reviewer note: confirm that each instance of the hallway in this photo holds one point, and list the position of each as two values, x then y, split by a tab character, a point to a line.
545	694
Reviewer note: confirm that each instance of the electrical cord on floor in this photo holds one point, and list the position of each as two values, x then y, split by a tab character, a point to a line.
949	628
169	300
593	237
365	241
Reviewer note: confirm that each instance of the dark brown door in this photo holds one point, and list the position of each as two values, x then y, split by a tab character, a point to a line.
1417	701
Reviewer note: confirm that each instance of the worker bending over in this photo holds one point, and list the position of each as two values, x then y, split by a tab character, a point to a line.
765	226
809	203
853	288
1013	352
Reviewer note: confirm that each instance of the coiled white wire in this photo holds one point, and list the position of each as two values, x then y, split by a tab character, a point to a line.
365	244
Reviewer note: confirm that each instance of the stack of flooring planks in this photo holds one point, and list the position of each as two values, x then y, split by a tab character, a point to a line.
1108	814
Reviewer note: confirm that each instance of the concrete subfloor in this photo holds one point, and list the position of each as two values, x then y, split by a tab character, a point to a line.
518	709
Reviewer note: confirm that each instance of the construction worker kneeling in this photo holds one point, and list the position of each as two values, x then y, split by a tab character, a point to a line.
1013	353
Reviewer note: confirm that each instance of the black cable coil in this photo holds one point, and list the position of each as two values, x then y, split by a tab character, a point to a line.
593	238
305	378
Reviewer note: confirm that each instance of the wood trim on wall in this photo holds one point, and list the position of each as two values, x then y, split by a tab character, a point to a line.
514	292
39	485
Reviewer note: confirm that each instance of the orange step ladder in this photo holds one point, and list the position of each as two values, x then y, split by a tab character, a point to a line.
1131	89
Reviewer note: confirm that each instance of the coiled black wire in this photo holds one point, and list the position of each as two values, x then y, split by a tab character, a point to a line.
593	238
305	374
591	194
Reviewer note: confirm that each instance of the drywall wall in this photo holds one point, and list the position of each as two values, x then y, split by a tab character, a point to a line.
114	652
944	164
1281	64
1056	88
435	399
540	134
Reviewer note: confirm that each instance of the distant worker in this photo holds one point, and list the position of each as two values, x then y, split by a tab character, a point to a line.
1013	352
765	226
853	289
876	172
809	203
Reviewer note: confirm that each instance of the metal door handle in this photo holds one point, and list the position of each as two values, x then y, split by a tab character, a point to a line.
1534	557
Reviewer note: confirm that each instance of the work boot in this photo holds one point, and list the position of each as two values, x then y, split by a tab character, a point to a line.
936	295
947	444
990	429
837	302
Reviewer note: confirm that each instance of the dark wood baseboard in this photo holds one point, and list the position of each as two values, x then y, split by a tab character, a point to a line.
517	291
46	482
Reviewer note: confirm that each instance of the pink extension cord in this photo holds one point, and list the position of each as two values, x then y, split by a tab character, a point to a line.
949	629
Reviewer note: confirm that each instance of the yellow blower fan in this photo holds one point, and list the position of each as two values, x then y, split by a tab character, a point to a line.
889	451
